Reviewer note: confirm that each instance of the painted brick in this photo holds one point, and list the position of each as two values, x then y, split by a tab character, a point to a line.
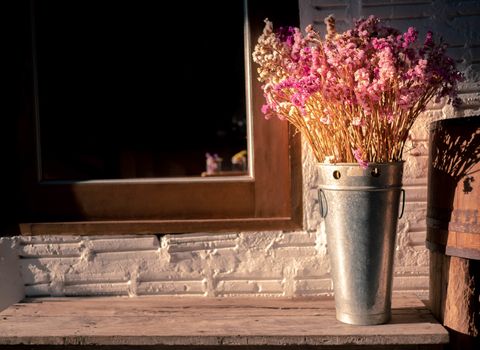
315	268
410	282
415	193
199	237
412	256
312	217
433	104
421	181
415	215
208	245
158	272
296	239
33	274
293	252
312	209
414	208
411	240
261	241
309	167
418	238
258	287
470	100
98	277
459	31
459	53
237	287
422	294
420	129
124	244
415	167
411	270
182	256
105	258
468	86
49	239
171	288
241	274
73	247
338	9
50	250
416	148
95	289
398	10
313	286
270	287
49	261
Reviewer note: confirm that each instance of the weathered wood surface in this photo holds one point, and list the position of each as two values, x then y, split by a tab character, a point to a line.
208	322
454	298
462	305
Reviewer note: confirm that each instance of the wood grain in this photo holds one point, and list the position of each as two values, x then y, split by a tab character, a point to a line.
208	322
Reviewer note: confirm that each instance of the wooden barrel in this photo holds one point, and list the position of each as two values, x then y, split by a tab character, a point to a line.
453	226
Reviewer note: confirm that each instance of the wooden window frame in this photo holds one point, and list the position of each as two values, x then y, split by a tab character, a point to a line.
270	198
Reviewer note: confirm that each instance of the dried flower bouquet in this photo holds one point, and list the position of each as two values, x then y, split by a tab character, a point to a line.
353	96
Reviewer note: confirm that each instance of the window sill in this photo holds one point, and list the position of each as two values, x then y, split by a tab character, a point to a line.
163	322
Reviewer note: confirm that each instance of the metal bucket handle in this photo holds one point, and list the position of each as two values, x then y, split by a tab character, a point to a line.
323	207
403	203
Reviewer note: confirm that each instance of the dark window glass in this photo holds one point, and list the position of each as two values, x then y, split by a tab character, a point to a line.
138	89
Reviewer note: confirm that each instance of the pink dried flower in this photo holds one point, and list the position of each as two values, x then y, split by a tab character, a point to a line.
266	109
358	154
429	40
409	37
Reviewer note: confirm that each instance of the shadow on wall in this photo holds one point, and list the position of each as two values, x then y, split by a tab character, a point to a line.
11	284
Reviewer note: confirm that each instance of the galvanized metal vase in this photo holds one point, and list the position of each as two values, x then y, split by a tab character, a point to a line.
361	209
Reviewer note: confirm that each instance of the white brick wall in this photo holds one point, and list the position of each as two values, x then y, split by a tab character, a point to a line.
270	263
261	263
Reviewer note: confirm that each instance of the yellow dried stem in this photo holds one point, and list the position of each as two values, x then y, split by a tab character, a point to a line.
330	23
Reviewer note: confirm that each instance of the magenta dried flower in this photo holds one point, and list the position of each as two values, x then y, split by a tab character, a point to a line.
286	35
358	154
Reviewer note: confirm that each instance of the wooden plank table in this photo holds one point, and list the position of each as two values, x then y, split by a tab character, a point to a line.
165	322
